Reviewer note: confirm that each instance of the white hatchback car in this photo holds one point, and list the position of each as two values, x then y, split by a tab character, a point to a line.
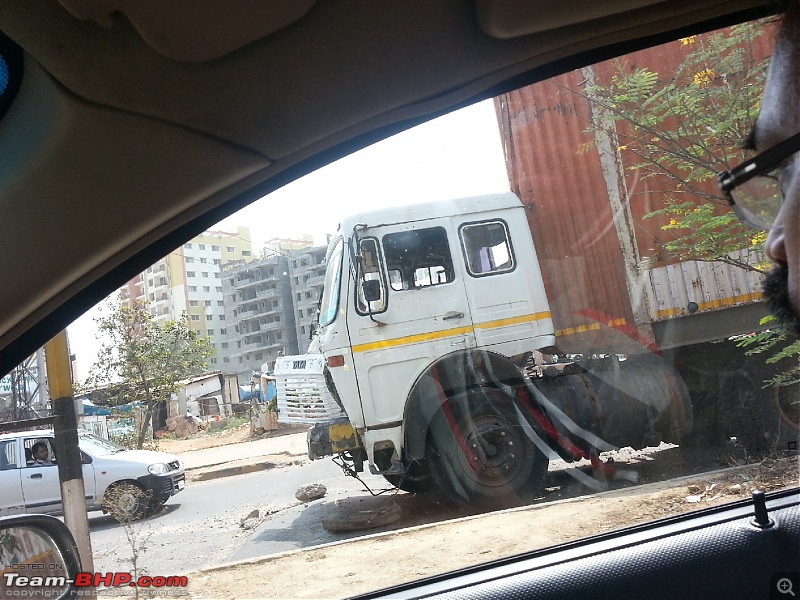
127	483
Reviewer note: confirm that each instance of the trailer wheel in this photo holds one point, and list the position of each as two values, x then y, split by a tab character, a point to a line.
480	453
417	479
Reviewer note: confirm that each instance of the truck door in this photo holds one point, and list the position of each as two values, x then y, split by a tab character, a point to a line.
410	309
498	254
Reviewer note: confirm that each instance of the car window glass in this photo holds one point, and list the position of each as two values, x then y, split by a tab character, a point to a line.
8	455
607	336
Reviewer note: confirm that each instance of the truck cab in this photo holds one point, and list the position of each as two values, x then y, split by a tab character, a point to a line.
411	287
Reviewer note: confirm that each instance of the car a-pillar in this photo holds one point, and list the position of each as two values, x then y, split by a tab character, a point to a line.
470	432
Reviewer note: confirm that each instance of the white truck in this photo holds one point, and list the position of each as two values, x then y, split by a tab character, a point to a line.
428	316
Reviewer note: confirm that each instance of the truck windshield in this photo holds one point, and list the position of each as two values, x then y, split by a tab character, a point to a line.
330	294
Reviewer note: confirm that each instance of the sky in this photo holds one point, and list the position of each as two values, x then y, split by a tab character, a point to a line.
456	155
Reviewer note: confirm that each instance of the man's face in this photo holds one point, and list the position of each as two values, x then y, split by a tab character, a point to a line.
778	119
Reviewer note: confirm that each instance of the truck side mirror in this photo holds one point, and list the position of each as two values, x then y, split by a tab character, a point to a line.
371	289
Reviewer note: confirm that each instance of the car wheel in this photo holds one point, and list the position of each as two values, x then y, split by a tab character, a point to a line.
481	451
126	502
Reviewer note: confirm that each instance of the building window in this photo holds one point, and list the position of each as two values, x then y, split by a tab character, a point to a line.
192	288
190	273
246	253
230	249
223	331
209	317
215	248
193	303
213	361
220	303
216	275
187	246
299	296
203	260
224	345
205	274
189	259
217	261
308	294
152	296
195	317
219	288
202	246
206	288
208	302
226	359
210	332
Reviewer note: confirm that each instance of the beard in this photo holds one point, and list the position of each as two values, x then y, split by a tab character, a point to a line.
777	298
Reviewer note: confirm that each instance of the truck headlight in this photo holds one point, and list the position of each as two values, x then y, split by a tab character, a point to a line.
158	469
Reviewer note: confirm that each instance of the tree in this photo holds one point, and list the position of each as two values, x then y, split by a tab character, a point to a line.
142	361
682	128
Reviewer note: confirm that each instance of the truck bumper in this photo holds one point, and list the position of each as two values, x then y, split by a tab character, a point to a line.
333	437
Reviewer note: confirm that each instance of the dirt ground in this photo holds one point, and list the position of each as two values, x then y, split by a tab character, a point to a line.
379	560
211	438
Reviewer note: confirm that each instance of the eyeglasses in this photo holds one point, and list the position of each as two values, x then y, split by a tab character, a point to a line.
752	188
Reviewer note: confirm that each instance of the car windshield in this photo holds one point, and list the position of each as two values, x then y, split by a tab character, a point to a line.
538	321
97	446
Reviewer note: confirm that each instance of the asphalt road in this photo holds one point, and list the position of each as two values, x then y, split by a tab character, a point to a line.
201	526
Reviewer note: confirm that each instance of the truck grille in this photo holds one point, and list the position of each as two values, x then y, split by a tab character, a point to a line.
303	396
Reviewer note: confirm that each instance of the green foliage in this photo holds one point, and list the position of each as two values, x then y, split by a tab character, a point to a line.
784	348
142	361
684	127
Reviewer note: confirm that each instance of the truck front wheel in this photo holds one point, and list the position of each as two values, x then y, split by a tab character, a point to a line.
481	451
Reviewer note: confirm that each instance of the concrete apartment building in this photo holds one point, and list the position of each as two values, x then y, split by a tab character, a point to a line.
307	273
252	309
271	304
189	281
259	315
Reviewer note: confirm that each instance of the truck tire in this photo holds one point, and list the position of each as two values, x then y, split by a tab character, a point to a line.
126	502
416	480
481	454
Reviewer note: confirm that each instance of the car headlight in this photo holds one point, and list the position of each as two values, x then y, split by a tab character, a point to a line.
158	469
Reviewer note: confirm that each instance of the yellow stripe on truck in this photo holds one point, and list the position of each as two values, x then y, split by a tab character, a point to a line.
437	335
513	320
670	312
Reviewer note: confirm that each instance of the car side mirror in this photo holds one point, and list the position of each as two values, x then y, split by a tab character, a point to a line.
38	547
371	289
85	459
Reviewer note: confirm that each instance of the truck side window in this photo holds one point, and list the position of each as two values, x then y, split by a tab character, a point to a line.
369	270
418	258
487	248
